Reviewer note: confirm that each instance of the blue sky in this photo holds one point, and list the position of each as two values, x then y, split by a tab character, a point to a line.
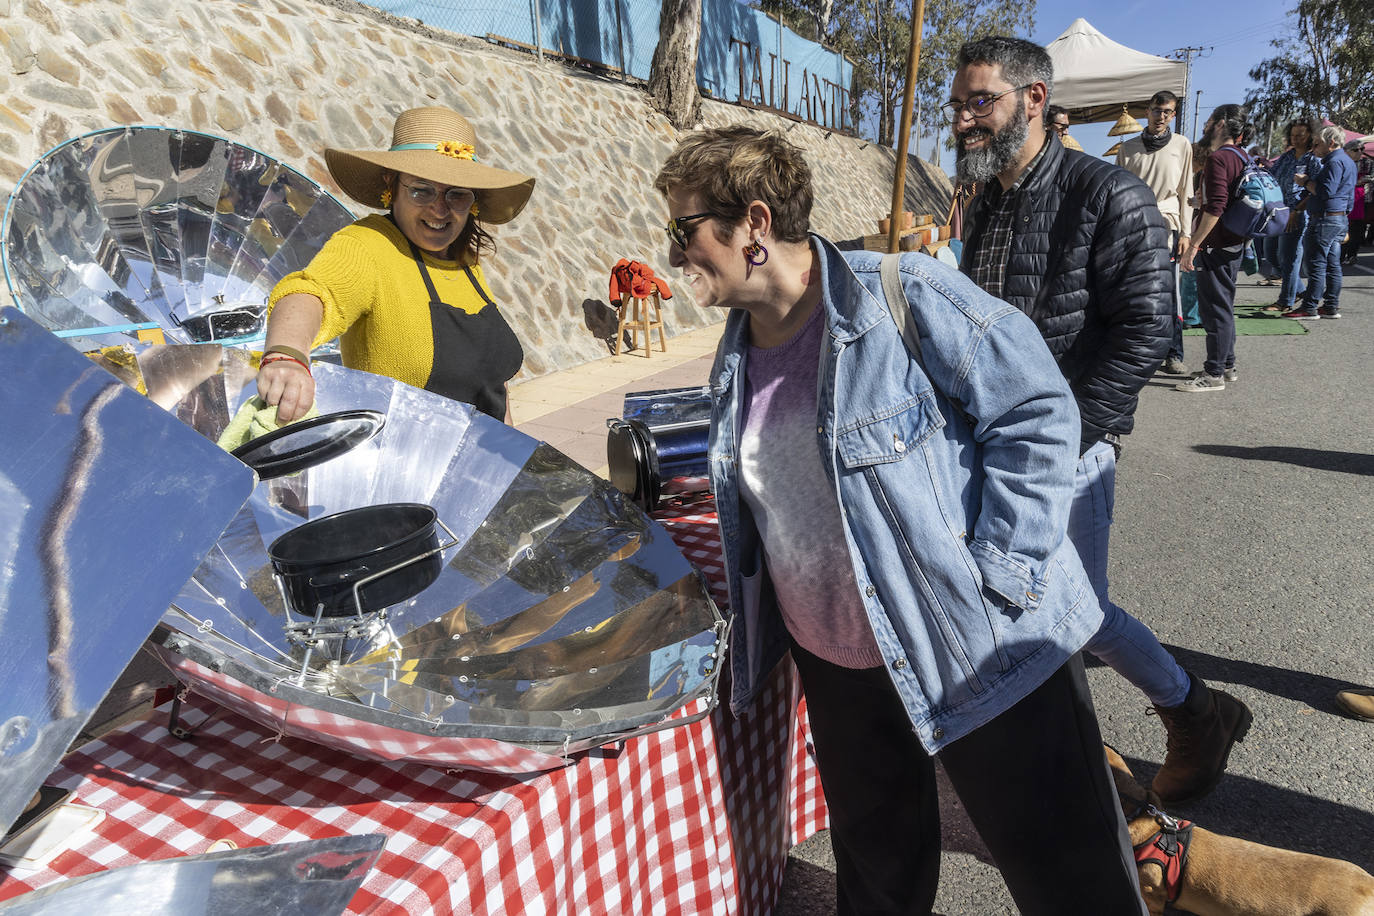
1235	32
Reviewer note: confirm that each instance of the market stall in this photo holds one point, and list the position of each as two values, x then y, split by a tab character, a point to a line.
1095	76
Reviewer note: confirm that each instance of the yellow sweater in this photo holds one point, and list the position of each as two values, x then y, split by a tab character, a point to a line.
375	300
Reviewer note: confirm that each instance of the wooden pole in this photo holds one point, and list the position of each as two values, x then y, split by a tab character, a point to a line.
913	61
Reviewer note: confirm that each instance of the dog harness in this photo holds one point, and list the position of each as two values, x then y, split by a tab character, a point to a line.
1167	848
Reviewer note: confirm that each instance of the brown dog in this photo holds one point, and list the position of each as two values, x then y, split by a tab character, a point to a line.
1226	876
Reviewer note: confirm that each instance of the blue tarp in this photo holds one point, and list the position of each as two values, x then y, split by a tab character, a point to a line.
622	34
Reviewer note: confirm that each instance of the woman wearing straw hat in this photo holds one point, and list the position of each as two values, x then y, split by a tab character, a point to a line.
404	290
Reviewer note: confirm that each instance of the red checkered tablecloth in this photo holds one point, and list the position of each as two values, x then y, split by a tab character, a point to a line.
693	819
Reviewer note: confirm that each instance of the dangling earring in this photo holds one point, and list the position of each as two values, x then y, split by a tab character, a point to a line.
474	209
386	198
752	251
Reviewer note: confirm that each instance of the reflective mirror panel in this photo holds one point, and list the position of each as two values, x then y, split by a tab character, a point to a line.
107	506
561	618
669	407
131	229
318	877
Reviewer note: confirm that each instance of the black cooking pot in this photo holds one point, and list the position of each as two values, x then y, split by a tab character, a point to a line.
320	561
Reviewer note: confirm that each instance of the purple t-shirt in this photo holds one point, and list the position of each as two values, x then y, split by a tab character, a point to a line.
795	506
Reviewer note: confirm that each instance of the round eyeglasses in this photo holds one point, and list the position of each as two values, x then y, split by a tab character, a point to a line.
458	199
980	104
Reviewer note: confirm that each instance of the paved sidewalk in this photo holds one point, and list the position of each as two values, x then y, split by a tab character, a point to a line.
569	409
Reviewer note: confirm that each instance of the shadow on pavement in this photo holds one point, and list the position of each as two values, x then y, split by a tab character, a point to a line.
1273	816
1317	691
1315	458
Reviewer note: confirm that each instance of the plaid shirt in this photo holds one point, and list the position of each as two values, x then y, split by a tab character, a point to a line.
988	265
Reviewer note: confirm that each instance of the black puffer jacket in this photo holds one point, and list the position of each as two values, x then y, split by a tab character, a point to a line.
1089	263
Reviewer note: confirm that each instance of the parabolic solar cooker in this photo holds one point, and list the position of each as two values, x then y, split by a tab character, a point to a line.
410	579
446	590
155	233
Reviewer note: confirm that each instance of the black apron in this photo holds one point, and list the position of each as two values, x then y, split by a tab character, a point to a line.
474	355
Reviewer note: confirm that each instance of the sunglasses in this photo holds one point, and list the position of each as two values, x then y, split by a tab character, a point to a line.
458	199
679	232
980	105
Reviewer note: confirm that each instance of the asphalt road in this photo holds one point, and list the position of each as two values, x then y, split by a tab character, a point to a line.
1242	536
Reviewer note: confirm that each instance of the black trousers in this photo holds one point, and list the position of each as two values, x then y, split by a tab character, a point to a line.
1034	782
1216	296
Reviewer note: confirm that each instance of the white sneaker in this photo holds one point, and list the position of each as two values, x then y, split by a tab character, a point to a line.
1202	382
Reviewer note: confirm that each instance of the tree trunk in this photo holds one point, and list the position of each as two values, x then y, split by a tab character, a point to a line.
820	14
673	73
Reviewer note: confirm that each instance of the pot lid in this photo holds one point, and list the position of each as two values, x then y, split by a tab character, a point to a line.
307	443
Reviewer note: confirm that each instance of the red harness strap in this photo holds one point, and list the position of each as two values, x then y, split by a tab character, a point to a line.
1167	848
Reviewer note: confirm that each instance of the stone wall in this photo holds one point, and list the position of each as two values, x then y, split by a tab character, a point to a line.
291	77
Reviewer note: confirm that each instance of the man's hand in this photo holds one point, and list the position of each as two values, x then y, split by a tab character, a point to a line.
1189	253
288	386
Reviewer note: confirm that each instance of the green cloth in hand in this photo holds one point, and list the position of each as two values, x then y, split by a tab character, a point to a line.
254	419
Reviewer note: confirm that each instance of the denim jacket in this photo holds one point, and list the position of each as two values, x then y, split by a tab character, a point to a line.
954	476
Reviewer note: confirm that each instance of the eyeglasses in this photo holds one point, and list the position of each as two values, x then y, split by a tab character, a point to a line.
1060	129
677	229
1162	112
459	200
980	105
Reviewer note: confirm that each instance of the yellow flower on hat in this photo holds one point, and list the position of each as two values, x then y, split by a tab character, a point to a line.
457	150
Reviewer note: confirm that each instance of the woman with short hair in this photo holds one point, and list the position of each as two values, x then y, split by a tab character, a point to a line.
893	469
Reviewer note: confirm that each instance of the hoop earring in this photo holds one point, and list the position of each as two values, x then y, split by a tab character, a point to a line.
753	251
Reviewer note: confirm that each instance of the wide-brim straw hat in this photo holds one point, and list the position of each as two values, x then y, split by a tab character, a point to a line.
439	145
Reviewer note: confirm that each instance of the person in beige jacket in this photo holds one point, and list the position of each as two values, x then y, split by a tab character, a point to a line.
1164	161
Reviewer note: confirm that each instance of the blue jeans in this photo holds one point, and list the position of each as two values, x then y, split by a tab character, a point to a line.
1322	242
1187	291
1123	642
1290	260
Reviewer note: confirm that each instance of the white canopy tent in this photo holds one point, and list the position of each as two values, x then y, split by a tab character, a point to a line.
1094	76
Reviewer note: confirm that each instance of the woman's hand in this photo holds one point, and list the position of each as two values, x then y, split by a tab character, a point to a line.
284	383
288	386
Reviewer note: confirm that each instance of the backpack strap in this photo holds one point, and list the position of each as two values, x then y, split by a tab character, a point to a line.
897	304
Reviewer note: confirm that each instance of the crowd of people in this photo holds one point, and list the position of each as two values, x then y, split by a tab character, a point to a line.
914	466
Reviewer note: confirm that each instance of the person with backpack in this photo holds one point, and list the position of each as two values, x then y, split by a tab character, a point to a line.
1333	196
1215	250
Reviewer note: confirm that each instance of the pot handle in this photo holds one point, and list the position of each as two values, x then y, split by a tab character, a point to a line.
357	586
342	577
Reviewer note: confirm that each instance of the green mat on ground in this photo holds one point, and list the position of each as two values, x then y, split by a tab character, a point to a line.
1253	319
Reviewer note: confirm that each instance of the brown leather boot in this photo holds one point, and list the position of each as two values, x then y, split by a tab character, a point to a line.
1201	730
1358	702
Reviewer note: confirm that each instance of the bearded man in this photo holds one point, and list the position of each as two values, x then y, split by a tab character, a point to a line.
1079	245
